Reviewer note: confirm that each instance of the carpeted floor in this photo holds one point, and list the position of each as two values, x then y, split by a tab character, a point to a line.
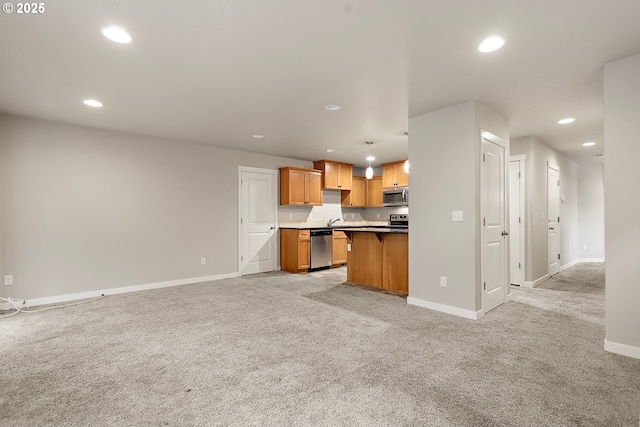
290	350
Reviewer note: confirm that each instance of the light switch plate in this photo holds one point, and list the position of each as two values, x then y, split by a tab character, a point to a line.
8	280
457	216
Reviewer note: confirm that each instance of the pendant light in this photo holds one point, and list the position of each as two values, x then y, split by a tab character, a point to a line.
406	162
369	172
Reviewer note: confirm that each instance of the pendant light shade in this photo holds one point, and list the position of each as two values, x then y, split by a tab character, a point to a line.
406	166
369	172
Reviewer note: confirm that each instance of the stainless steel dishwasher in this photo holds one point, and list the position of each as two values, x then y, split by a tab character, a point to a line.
321	248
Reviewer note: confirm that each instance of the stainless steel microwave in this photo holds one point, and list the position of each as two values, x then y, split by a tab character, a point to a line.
396	197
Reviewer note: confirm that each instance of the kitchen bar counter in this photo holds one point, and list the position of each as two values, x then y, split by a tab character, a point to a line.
396	230
378	257
333	227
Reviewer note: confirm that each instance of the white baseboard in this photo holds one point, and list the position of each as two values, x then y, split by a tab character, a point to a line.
535	282
113	291
591	260
467	314
623	349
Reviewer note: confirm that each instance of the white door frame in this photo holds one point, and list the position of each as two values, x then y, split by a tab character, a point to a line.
522	160
556	223
505	203
275	210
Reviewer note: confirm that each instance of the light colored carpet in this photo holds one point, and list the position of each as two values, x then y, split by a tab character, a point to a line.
291	350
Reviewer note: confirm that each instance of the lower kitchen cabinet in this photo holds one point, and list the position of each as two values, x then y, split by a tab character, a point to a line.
380	260
295	250
339	248
395	263
364	265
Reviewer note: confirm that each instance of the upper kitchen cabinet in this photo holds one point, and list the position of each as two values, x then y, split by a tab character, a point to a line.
357	196
393	175
335	175
374	192
300	186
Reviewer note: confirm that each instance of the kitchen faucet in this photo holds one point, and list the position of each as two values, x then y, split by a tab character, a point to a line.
332	221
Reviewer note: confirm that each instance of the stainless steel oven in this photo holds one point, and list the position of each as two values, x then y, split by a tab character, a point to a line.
396	197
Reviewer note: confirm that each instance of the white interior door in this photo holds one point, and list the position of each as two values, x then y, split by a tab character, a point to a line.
516	221
553	214
494	241
258	198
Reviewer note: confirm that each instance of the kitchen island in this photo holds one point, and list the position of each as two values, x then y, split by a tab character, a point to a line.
378	257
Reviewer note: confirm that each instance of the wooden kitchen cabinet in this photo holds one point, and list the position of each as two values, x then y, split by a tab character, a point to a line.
379	260
395	263
339	248
393	175
364	260
300	186
335	175
295	250
374	192
357	196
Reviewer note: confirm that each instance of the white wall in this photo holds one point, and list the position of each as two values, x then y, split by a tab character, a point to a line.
622	204
591	211
86	210
319	215
444	149
539	154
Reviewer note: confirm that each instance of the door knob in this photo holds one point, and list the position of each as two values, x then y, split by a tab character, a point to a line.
504	233
273	228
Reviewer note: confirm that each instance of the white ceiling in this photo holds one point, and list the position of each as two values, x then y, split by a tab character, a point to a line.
217	72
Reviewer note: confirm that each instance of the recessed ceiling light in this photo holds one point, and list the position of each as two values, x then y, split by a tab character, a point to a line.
566	121
371	158
116	34
330	150
491	43
258	136
588	144
332	107
92	103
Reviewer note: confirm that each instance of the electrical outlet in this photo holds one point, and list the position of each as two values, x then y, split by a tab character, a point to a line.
203	261
585	247
8	280
377	216
456	216
542	215
353	216
348	247
443	281
290	216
